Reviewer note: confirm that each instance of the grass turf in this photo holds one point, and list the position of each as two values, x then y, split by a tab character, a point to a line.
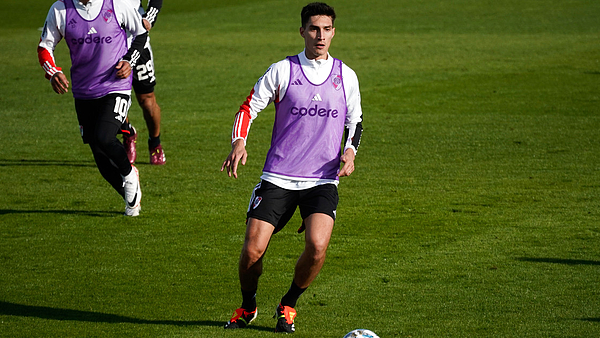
473	210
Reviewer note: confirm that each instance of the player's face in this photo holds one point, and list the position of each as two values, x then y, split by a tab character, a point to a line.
317	34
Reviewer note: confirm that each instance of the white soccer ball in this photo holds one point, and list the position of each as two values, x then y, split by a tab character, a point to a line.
361	333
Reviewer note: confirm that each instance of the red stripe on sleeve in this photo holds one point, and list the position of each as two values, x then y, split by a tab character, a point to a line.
242	119
47	62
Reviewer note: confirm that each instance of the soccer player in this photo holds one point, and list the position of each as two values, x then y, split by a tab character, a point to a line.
96	32
144	80
316	98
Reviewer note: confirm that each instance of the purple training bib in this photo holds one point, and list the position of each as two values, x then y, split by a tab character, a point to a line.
96	47
309	125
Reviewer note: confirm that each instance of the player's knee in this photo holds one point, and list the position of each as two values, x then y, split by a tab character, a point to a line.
316	251
250	256
147	102
105	141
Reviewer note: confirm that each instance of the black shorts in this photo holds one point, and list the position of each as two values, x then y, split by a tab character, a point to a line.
276	205
144	78
106	113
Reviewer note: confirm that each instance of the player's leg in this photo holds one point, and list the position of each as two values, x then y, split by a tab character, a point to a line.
151	111
250	267
152	116
113	111
319	228
107	169
144	81
87	115
258	235
317	235
318	208
270	208
99	123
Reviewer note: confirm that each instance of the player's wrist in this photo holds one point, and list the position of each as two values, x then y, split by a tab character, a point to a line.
52	72
238	141
352	148
51	76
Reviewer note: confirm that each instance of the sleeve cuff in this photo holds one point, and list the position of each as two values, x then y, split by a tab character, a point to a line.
350	147
239	138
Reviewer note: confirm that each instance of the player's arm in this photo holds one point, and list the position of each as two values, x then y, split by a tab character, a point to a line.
266	90
131	20
353	123
269	88
152	11
52	33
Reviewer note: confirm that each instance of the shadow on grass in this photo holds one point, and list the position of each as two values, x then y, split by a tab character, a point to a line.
63	212
597	320
44	163
44	312
559	261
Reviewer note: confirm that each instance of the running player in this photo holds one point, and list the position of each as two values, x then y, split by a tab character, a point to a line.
144	80
316	98
96	34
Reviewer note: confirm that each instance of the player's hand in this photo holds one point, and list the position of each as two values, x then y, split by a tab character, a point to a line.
59	83
124	69
237	155
147	24
348	160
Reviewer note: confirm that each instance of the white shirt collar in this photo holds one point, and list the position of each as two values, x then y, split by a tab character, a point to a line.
81	5
314	63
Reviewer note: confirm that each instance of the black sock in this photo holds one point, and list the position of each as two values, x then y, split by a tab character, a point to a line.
249	300
291	297
153	142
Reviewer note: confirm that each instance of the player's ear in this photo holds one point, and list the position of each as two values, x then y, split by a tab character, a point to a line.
302	31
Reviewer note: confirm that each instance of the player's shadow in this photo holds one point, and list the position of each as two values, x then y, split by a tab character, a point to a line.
44	312
92	213
559	261
45	163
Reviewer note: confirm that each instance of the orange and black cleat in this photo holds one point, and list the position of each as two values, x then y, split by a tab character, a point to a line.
285	319
241	318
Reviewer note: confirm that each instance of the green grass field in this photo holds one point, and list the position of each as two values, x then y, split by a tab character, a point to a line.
474	210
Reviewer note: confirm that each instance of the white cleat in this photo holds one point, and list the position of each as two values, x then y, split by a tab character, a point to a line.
133	193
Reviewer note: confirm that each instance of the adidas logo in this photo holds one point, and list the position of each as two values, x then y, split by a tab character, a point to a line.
92	31
317	98
72	22
297	83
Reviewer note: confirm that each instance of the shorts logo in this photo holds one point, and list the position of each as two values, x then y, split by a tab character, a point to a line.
256	202
337	82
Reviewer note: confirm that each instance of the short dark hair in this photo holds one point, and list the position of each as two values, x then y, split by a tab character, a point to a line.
316	8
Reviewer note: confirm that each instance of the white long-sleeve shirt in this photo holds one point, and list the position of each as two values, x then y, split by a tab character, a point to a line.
272	86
